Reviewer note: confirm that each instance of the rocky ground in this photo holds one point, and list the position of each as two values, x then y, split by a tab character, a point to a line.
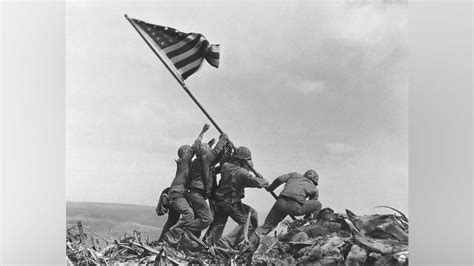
327	239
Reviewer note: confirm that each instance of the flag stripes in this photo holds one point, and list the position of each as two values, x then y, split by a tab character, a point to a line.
184	51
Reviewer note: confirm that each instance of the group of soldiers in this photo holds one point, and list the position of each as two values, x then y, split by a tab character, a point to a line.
195	183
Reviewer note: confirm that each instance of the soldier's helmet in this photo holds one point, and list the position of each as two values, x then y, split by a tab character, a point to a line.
183	150
313	176
243	153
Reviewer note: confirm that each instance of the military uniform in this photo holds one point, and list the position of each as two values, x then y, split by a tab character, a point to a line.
292	200
178	196
200	185
228	201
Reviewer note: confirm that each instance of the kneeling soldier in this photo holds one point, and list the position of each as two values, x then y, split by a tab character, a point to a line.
292	200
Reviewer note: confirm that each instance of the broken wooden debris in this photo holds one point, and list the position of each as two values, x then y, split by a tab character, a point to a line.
327	238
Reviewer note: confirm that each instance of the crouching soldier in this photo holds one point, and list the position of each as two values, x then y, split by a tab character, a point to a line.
228	200
179	204
292	200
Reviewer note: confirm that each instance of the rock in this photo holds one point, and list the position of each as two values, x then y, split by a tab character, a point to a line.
335	259
393	229
380	226
401	257
329	239
324	214
315	230
303	251
281	229
382	246
385	260
316	252
265	245
373	257
299	237
329	250
333	245
356	256
331	226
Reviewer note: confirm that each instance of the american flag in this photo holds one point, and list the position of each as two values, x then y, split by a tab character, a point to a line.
185	51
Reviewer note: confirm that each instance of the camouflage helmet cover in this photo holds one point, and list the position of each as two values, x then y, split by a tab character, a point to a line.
243	153
183	149
312	175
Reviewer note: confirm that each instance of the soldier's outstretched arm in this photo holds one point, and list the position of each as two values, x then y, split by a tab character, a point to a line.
220	145
279	180
211	142
252	181
205	128
198	141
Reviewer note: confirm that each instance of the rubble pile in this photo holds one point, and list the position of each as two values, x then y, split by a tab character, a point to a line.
338	239
327	238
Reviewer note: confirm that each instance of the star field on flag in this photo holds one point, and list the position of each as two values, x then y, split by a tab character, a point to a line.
185	51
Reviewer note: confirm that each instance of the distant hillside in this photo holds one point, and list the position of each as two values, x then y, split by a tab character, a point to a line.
113	220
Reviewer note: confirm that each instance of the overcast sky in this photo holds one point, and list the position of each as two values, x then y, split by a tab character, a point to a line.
304	85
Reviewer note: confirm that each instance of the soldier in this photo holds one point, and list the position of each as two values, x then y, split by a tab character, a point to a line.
178	193
163	208
292	200
173	216
234	179
201	183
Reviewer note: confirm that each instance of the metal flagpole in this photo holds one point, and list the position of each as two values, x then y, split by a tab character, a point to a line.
185	88
176	76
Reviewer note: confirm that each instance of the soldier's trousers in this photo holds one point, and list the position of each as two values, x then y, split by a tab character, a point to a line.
179	206
173	218
239	212
202	212
283	207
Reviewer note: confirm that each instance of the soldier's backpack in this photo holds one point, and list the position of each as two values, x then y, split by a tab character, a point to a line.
164	203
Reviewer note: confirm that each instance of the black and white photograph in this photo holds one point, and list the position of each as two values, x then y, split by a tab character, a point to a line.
237	132
207	132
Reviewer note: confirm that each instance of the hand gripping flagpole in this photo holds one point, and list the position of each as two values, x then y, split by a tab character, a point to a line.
185	88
